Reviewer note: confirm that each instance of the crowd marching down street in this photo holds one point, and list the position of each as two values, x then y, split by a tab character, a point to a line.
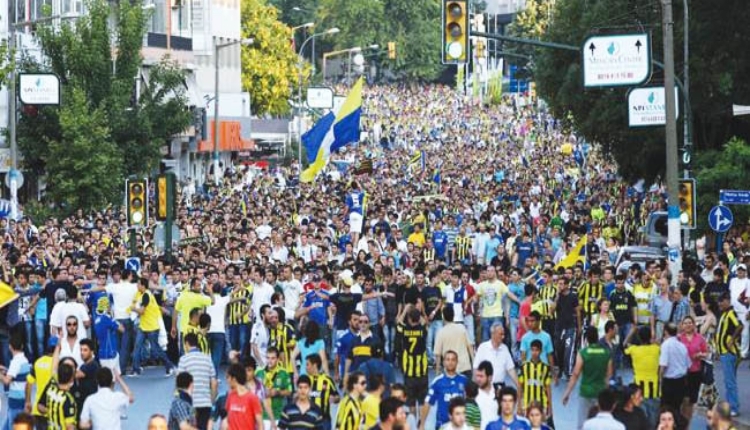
460	260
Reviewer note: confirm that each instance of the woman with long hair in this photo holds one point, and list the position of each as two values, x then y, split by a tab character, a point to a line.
535	415
697	348
310	344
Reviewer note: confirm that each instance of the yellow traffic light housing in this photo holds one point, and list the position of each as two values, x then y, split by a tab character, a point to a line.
455	48
391	50
161	198
687	203
137	202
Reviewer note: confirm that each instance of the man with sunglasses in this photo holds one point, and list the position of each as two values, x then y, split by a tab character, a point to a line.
70	346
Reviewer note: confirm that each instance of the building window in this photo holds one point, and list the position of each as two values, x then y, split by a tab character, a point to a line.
72	7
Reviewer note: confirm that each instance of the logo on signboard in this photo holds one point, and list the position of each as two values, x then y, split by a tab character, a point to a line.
39	89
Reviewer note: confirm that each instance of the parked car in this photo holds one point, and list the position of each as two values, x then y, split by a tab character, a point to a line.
637	254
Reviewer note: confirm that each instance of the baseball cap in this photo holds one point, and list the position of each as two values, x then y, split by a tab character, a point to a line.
52	342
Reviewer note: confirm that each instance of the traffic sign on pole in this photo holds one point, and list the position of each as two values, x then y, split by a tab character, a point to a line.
720	219
133	264
616	60
734	197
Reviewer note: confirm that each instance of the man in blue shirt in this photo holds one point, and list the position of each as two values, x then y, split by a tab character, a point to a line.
508	419
355	204
316	307
106	330
524	249
443	388
440	241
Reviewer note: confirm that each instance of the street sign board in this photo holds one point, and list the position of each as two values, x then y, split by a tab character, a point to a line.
734	197
616	60
648	106
39	89
133	264
720	219
320	97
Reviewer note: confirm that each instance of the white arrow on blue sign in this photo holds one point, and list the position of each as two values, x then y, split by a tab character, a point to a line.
133	264
720	219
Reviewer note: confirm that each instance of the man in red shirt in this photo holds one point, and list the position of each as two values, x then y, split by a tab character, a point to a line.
242	406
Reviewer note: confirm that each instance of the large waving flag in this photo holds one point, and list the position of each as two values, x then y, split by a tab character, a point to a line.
344	129
578	253
7	295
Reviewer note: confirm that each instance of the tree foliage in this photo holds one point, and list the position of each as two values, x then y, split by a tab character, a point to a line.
269	65
727	168
531	23
717	60
123	131
84	165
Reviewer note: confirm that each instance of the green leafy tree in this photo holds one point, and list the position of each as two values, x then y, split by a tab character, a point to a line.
269	66
89	66
531	23
727	168
84	167
718	64
413	27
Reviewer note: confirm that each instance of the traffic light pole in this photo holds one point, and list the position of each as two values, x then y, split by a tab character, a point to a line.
133	245
170	216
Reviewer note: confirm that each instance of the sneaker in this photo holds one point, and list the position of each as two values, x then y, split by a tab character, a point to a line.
170	372
734	414
134	374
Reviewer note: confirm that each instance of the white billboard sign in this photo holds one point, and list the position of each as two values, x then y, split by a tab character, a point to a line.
648	106
320	98
616	60
39	89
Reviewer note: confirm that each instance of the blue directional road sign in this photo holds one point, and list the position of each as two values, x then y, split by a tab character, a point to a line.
134	264
734	197
720	219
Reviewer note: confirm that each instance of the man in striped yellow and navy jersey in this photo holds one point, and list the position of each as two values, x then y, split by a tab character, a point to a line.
57	403
535	380
727	345
589	295
323	390
238	318
350	416
413	336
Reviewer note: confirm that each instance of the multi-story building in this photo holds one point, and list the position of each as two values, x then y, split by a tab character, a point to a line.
187	31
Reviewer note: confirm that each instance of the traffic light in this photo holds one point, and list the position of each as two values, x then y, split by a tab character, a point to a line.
137	202
687	203
165	197
455	48
391	50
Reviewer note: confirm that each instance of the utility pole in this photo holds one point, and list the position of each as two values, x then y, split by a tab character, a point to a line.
673	208
12	112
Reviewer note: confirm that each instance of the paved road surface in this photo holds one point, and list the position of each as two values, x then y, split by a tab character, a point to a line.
154	393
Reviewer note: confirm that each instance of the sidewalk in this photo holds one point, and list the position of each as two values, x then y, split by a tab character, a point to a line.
743	388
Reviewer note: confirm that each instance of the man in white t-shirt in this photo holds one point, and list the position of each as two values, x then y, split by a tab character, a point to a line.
496	352
217	331
70	344
292	292
65	308
739	291
123	292
261	336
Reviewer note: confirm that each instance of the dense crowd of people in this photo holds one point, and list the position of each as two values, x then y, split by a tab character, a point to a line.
478	258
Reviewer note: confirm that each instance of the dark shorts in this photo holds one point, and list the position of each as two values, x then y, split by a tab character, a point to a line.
694	380
416	389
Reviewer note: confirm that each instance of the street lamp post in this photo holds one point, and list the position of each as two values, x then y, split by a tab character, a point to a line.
349	51
333	30
312	48
217	48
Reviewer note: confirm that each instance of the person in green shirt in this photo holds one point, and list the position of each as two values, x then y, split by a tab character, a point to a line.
594	367
473	414
277	382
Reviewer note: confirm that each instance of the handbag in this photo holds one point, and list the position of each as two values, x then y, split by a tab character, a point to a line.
707	372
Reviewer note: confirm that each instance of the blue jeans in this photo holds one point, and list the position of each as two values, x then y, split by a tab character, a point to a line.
623	332
28	337
216	343
40	332
469	323
126	339
514	349
729	369
651	409
389	332
4	348
12	413
152	337
487	324
431	333
238	336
